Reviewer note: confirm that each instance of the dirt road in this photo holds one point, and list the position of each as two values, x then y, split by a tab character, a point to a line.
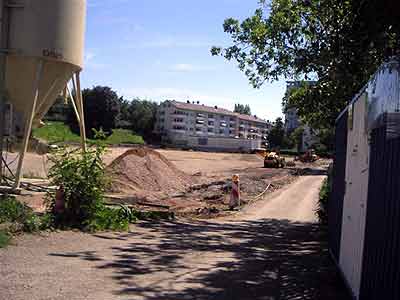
271	250
296	202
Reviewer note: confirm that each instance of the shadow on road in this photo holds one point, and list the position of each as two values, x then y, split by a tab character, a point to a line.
266	259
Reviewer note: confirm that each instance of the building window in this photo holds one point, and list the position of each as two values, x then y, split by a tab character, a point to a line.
179	112
178	120
221	131
232	119
211	116
178	127
210	123
210	130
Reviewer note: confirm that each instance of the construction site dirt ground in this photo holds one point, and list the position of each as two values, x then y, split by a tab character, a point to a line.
188	183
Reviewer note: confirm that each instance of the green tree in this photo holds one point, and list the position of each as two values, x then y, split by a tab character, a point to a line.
242	109
297	137
276	135
142	116
101	107
339	44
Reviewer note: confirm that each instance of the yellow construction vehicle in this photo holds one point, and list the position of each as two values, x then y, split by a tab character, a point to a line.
273	160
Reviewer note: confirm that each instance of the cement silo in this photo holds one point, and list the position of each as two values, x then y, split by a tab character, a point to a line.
44	50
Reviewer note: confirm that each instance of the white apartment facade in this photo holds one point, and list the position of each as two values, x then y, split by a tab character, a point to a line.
199	126
292	120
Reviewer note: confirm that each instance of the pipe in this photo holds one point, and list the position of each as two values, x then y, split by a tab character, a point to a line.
28	125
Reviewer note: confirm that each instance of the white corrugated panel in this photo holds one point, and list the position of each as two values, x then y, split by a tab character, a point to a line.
355	200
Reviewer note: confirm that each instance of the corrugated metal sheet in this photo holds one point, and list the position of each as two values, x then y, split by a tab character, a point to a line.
381	265
335	209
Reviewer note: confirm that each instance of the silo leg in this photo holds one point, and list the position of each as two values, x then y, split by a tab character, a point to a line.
79	104
73	101
28	125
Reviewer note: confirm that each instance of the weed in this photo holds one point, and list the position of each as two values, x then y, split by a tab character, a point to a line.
17	217
12	210
4	239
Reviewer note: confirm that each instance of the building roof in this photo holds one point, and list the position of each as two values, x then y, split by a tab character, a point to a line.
215	109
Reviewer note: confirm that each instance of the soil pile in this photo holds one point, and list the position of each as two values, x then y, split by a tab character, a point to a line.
143	170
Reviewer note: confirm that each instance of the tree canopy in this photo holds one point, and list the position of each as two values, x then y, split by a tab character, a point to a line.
277	134
339	44
101	108
242	109
105	110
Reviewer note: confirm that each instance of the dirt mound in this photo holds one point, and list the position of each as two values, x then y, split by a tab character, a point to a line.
143	170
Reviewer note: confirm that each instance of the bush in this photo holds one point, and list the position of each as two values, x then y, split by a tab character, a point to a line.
12	210
111	218
322	210
19	217
82	181
324	195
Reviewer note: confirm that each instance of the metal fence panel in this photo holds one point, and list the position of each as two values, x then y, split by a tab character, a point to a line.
338	186
381	263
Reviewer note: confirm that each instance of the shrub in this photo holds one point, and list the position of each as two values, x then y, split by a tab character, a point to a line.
12	210
324	195
323	203
111	218
19	217
82	181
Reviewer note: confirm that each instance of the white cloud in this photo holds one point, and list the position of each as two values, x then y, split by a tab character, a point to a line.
90	61
186	68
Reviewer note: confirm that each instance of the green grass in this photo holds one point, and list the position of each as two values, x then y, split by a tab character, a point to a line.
124	136
4	239
56	132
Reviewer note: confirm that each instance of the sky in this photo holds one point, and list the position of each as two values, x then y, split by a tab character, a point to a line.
160	49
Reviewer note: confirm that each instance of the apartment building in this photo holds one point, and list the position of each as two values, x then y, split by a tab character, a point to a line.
199	126
292	120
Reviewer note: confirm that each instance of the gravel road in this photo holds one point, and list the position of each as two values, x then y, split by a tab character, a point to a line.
270	250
